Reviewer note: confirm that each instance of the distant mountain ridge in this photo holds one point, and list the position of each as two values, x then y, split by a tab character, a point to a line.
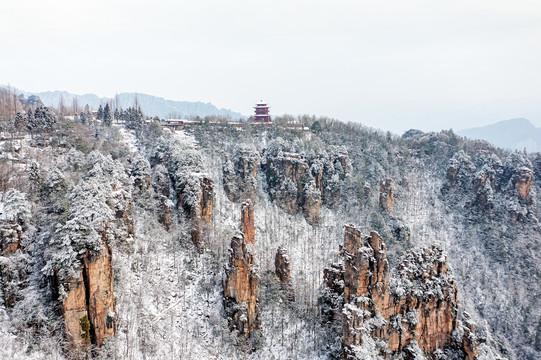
514	134
151	105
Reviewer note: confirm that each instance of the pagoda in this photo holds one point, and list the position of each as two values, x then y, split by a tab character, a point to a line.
262	113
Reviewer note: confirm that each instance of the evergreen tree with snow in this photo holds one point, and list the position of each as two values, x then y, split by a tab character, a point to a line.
16	207
100	113
19	122
34	175
107	117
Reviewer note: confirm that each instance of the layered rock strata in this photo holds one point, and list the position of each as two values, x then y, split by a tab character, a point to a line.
241	281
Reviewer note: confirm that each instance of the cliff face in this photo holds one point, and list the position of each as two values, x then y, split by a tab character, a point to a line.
386	196
196	196
283	272
500	188
522	181
11	234
13	272
241	281
161	187
417	307
240	175
247	222
89	306
295	182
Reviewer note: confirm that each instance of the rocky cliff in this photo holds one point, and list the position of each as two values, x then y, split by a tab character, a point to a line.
386	196
89	302
283	272
12	275
495	187
239	174
241	281
11	234
296	183
414	309
196	197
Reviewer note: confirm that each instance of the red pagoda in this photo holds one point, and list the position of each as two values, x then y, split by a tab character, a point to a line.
262	113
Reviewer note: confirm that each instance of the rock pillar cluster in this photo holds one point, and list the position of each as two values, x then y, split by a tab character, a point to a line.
241	281
417	306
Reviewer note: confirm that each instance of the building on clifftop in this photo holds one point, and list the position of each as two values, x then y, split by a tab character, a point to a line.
262	113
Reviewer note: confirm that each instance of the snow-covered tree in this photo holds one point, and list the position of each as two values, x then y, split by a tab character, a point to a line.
100	112
16	207
107	116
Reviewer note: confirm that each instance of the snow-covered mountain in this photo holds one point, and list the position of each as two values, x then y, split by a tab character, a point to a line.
265	242
514	134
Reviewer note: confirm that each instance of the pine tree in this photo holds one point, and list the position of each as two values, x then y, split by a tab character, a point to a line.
44	119
82	117
88	114
100	113
30	122
34	175
19	122
107	118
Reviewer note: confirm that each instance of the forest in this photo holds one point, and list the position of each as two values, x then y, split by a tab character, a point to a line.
122	239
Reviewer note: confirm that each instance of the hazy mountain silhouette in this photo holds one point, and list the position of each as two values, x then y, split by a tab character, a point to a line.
508	134
151	105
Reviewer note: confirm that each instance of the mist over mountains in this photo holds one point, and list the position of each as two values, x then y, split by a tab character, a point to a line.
150	105
514	134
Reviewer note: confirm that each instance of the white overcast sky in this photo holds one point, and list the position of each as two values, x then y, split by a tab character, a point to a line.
390	64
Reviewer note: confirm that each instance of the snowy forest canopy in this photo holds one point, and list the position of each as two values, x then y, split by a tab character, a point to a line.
77	185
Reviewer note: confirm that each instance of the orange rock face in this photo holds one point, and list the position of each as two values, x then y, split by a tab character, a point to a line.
247	222
420	304
241	281
89	307
523	182
75	311
101	300
386	196
10	238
